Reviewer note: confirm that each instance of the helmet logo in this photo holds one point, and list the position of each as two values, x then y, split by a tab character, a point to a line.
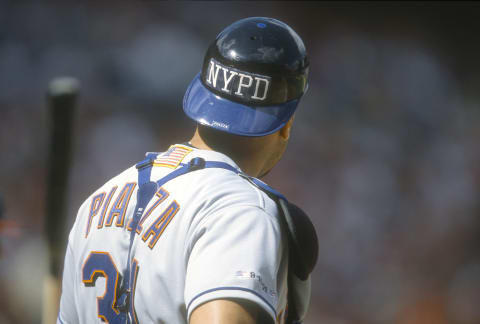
240	84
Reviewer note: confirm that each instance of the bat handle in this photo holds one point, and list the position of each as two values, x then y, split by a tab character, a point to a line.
62	95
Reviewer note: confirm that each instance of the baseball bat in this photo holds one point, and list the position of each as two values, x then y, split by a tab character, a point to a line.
61	100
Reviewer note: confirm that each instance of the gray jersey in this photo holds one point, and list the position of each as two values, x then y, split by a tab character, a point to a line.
205	235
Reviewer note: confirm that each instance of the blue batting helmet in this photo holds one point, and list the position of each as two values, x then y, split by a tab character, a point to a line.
253	77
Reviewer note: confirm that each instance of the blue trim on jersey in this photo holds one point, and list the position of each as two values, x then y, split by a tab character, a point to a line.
233	288
59	319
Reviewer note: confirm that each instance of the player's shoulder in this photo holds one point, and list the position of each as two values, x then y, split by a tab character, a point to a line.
234	189
226	187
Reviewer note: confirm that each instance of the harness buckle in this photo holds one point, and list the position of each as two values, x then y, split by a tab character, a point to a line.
197	163
145	163
123	301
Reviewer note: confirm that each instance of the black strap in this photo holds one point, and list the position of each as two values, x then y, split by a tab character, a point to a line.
147	190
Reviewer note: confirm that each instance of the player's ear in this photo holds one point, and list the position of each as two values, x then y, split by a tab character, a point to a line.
285	130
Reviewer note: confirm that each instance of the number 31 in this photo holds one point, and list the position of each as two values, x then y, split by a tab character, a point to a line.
101	264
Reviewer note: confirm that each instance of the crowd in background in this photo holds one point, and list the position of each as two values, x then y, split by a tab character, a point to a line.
384	154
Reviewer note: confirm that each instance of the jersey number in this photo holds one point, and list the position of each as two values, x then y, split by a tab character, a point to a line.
100	264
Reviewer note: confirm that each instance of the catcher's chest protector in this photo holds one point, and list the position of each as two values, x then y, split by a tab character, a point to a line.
302	239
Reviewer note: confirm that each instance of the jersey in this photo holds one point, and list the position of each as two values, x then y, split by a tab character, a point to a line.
208	234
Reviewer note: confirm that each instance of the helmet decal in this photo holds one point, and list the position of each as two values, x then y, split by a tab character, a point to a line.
243	85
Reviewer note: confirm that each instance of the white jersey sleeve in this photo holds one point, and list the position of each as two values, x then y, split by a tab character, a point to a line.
237	252
68	311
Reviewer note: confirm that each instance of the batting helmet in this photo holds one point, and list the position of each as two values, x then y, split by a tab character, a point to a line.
253	76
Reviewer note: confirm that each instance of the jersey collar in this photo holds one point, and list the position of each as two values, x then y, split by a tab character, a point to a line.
207	155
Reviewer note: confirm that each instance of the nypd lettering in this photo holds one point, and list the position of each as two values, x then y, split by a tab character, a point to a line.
240	84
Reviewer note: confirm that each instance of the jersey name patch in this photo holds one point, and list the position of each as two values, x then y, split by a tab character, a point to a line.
173	157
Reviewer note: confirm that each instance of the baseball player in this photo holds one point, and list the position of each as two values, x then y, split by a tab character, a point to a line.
190	235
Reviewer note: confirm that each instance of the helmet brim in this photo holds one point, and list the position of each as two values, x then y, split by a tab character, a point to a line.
211	110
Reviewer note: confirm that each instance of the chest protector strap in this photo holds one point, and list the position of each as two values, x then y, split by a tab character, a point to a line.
302	239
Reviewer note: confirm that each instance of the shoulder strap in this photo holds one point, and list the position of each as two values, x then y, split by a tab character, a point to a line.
303	251
147	190
302	242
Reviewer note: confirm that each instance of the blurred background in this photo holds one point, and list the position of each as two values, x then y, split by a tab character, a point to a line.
384	153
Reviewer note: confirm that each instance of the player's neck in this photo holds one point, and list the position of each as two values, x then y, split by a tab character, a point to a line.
249	161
